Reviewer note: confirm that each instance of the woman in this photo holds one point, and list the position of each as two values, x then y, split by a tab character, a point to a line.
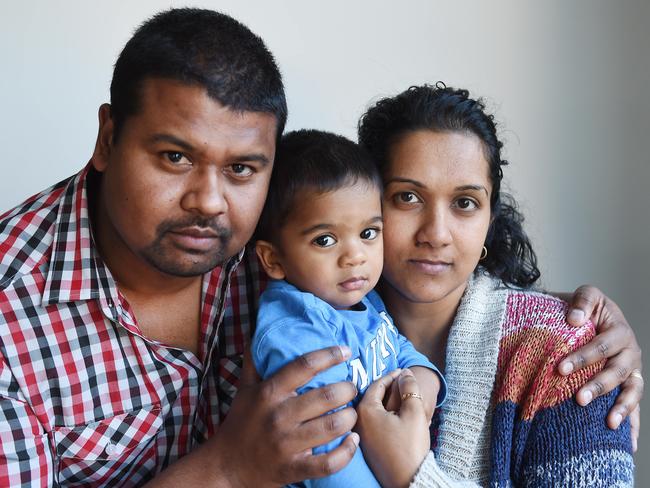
457	275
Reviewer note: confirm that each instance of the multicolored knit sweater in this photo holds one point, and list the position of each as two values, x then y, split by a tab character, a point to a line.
510	419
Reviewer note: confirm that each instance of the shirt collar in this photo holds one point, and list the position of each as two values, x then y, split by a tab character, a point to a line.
76	270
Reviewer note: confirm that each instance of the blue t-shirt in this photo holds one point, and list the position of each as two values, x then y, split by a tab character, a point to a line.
291	323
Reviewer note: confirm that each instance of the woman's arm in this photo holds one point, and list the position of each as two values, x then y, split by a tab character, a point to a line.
396	444
615	341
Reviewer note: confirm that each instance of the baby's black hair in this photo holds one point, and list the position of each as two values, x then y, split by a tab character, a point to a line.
315	160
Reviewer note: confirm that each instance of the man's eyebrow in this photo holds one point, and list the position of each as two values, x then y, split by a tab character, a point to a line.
248	158
472	187
172	140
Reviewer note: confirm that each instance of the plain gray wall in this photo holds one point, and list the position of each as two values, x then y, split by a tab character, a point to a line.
567	80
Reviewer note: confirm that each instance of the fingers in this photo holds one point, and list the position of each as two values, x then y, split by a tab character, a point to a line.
321	430
304	368
374	395
635	427
249	374
326	464
319	401
605	345
582	305
410	391
627	401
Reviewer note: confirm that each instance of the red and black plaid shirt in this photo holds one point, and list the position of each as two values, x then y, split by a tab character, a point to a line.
85	398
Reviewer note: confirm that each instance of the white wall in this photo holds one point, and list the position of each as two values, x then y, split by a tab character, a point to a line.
568	80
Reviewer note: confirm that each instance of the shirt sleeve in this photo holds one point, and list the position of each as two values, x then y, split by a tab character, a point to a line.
25	452
282	343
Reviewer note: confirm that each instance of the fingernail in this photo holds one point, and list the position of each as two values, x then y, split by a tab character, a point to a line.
587	397
355	438
566	368
406	372
345	351
576	315
618	418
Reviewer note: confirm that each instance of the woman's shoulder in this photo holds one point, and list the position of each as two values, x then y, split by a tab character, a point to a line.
535	338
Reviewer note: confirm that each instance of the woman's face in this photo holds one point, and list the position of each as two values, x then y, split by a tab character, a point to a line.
436	213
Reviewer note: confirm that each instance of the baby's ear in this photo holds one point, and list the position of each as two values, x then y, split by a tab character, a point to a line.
269	258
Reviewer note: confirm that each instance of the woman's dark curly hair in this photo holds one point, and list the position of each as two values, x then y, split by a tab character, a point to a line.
440	108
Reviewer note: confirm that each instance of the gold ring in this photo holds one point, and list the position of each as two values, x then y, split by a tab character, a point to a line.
411	395
637	374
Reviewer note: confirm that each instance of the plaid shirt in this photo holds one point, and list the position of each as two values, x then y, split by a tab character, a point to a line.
85	398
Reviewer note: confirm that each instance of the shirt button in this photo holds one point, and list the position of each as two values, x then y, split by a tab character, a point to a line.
111	449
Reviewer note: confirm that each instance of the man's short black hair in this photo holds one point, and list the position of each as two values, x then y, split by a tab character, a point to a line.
314	160
199	47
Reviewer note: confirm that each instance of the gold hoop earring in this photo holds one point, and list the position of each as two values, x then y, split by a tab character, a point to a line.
483	254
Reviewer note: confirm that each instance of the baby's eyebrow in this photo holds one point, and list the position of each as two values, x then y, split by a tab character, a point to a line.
312	228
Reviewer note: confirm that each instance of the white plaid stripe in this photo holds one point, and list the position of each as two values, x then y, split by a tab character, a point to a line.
84	398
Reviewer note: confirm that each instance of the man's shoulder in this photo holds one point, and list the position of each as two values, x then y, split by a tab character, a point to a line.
27	233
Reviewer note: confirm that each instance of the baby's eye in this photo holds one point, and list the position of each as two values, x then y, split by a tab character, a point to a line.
324	241
369	234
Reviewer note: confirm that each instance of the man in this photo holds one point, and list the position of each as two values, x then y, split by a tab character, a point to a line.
127	294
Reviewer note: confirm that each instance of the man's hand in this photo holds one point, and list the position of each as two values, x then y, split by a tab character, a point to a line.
615	340
268	436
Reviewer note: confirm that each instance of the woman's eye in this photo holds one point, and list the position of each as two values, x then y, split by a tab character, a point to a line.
242	170
369	234
174	157
324	241
407	197
466	204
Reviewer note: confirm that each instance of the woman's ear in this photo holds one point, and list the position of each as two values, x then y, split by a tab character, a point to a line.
269	257
104	142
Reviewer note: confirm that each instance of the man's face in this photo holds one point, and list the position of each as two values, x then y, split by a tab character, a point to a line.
184	184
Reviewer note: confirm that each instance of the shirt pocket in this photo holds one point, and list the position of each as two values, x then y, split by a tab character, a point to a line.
116	448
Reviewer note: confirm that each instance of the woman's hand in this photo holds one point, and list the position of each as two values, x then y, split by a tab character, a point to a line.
393	443
615	340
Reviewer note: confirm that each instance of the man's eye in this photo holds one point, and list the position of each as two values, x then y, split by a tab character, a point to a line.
369	234
174	157
242	169
324	241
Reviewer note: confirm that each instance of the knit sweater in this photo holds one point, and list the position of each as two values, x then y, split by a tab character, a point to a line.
510	419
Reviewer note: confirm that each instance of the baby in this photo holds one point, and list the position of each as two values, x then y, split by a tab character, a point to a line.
320	240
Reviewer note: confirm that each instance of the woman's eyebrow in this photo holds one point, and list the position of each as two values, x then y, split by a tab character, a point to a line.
472	187
399	179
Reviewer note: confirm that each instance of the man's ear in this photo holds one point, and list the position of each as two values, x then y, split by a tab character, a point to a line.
269	258
104	143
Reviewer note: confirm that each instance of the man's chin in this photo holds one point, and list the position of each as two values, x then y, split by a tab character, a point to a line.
188	266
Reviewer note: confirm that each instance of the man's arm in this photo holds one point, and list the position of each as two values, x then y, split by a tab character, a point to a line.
268	436
616	341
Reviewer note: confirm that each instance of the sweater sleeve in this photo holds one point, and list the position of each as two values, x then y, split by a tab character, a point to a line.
430	475
540	435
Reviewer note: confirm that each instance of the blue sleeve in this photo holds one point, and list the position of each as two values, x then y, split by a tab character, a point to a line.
281	343
408	356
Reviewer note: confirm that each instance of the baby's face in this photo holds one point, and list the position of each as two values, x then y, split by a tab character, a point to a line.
331	245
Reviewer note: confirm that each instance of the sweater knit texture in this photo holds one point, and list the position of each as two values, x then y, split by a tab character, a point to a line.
510	419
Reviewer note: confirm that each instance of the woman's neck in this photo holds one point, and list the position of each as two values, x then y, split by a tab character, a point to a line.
426	325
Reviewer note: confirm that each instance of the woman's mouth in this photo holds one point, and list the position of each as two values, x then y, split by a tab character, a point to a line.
429	267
